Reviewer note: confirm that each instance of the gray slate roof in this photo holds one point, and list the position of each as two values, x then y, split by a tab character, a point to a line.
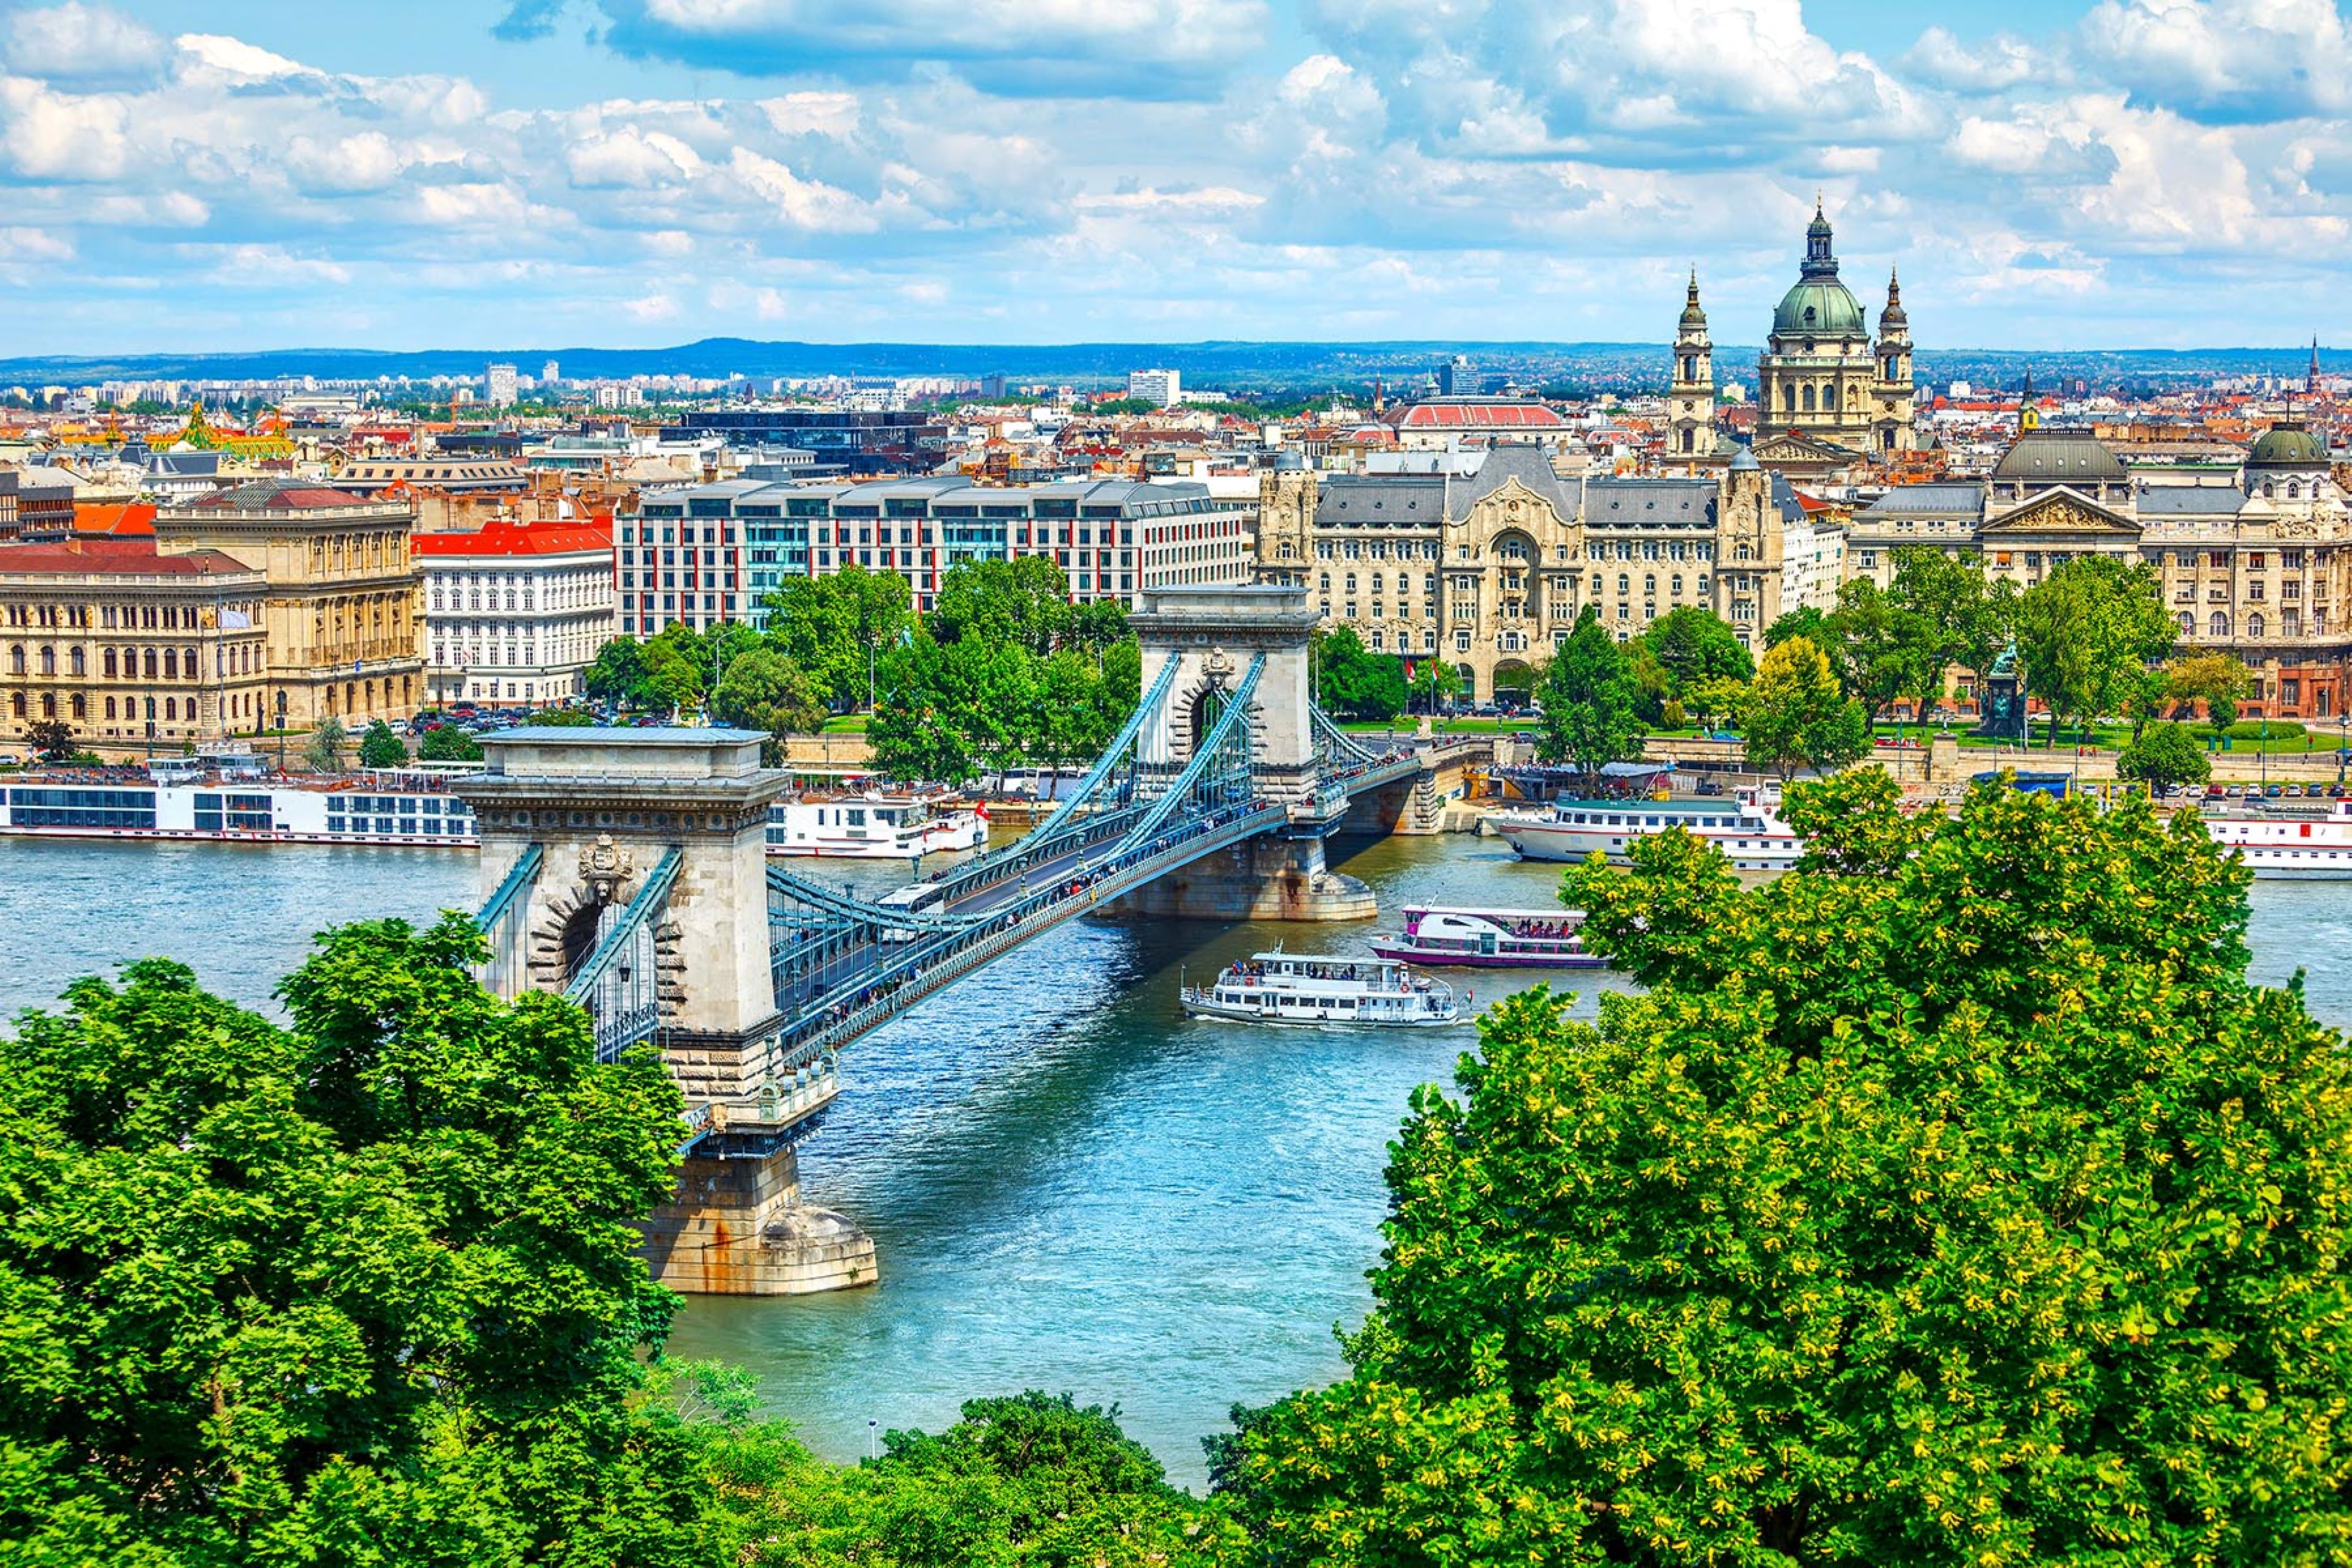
1648	503
2190	501
1946	500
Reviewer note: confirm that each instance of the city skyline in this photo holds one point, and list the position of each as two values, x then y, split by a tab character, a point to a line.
629	173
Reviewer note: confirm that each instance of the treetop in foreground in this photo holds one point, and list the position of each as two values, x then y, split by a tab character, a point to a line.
363	1291
1952	1199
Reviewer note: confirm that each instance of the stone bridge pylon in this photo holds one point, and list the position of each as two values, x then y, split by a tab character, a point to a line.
633	869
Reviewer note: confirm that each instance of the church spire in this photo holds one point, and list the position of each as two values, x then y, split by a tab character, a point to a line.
2310	380
2029	415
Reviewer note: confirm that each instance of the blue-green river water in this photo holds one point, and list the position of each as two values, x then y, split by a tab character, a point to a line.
1072	1186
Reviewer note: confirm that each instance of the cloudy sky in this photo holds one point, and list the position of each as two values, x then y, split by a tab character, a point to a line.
409	174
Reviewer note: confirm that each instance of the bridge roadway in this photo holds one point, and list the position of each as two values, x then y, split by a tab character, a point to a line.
864	985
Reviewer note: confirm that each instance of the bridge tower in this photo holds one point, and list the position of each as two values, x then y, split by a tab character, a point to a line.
627	868
1212	634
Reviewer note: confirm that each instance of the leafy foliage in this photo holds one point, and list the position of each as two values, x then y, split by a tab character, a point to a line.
1589	701
1951	1200
1354	682
762	689
363	1291
2089	633
1793	714
379	747
1029	1480
2164	753
449	744
1434	684
1693	645
323	752
838	627
51	740
2211	676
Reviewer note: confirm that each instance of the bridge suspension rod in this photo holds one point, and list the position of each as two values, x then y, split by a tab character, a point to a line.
1112	754
817	896
1329	729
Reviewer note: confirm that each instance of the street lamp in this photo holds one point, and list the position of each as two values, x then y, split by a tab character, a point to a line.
151	729
281	731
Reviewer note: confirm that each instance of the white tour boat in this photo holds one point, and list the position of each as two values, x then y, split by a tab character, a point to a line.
234	805
2311	849
1281	987
1745	826
873	827
1438	937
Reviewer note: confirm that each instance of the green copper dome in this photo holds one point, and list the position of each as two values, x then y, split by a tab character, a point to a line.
1820	306
2288	447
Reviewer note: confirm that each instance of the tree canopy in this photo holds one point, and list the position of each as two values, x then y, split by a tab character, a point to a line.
379	747
1793	714
1352	681
449	743
1691	645
764	689
1952	1199
2089	634
359	1291
2212	676
1589	701
2164	753
838	627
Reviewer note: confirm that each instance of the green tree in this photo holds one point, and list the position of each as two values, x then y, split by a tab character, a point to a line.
449	744
839	627
363	1290
1435	684
2212	676
379	747
1951	1200
1691	645
1352	681
1878	656
1954	611
762	689
51	740
1028	1479
1588	699
2088	633
617	674
323	752
1025	601
1716	696
2164	753
564	719
958	710
1793	715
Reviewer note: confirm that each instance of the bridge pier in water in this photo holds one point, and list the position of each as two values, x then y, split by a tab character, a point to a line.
1275	876
632	868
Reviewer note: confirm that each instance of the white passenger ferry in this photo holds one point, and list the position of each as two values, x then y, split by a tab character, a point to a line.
873	826
2285	847
1745	826
1281	987
1437	937
113	804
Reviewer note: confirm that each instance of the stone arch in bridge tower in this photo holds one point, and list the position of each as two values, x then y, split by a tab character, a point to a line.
605	806
1212	634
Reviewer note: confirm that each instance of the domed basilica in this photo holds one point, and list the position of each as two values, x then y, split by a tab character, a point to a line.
1822	384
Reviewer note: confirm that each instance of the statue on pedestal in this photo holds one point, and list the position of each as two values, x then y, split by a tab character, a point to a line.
2001	703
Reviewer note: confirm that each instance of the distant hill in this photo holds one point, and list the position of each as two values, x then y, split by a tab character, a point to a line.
1623	366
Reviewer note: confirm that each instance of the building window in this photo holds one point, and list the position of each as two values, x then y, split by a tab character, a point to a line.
2218	625
2254	626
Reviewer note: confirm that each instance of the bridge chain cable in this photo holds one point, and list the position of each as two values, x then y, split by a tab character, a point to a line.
1208	750
525	870
1327	729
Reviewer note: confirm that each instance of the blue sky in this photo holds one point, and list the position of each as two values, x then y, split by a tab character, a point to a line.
253	174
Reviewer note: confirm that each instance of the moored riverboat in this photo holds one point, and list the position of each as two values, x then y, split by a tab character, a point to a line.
1745	828
118	803
2286	845
1281	987
873	827
1438	937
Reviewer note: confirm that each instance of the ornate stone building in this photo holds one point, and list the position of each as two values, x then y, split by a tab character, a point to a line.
1490	570
1820	379
342	607
2257	563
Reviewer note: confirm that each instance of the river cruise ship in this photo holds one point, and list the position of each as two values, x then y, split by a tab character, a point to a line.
873	827
1436	937
1281	987
1745	826
2291	847
112	804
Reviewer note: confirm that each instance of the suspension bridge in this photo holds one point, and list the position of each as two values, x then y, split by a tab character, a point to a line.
627	870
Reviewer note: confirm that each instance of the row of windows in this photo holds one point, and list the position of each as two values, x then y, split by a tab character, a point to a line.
2217	625
133	664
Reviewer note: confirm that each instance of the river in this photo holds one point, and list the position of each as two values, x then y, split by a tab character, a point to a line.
1072	1187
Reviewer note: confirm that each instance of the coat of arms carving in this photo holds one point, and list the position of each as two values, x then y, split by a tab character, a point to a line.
604	867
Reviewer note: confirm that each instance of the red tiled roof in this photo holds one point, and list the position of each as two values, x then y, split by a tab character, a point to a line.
134	517
519	538
100	553
1480	416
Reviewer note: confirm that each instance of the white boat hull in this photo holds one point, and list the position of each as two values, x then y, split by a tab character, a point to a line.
1203	1007
1535	840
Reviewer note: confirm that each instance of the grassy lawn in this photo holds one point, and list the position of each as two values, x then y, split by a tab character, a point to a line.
845	723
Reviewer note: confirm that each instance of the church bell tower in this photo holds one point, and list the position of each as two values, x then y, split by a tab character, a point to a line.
1690	399
1891	431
